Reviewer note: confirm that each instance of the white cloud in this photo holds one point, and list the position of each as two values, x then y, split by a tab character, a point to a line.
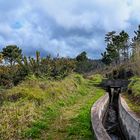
86	14
65	27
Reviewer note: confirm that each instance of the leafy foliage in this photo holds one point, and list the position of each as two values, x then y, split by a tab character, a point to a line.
47	67
15	67
19	67
85	65
11	53
82	57
117	47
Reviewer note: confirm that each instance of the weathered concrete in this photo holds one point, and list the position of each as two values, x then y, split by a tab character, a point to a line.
97	114
130	123
115	83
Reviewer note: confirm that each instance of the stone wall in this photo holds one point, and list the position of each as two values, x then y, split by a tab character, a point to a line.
130	123
97	114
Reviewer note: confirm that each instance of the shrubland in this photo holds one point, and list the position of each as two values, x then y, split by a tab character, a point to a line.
39	108
45	97
15	67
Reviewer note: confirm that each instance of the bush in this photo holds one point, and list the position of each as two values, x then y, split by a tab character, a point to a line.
56	68
97	79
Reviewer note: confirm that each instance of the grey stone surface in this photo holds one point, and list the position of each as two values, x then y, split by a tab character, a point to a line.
115	83
97	114
130	123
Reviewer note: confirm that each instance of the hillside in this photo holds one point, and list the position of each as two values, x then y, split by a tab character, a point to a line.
133	95
47	109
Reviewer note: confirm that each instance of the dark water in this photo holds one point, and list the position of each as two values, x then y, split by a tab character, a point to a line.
112	124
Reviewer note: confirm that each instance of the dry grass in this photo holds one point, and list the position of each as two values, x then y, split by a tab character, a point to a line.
36	106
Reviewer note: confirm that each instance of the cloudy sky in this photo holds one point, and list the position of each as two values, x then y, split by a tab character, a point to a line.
67	27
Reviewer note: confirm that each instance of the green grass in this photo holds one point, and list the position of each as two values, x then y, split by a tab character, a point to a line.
135	86
133	100
80	124
135	107
52	110
96	79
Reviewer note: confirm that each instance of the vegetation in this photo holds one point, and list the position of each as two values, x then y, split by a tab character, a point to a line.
46	98
49	109
117	48
85	65
43	98
11	54
20	67
133	95
82	57
15	67
135	107
121	49
122	58
122	53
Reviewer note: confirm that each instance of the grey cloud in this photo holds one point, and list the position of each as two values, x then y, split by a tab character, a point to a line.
64	27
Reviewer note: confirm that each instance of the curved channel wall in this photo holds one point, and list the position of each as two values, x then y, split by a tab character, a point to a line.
130	123
97	115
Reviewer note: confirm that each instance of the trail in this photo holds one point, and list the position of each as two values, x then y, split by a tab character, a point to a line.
59	129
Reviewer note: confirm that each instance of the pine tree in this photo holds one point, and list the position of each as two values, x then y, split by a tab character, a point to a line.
136	44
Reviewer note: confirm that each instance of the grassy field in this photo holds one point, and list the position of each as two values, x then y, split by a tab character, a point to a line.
133	99
49	110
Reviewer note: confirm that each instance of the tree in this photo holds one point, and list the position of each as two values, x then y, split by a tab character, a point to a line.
124	45
11	54
136	44
82	57
106	58
1	57
109	37
117	47
111	53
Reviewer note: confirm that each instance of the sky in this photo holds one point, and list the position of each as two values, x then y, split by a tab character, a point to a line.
65	27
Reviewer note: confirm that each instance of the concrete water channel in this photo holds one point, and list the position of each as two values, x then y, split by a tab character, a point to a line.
105	113
111	117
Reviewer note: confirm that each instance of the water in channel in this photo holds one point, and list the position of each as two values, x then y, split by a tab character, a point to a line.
112	124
